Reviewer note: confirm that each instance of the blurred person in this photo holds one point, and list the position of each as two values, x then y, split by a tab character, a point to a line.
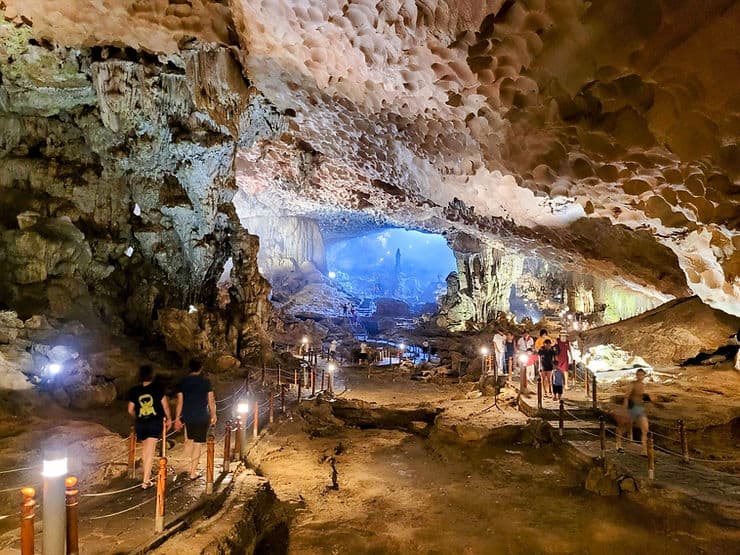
558	379
634	412
564	356
541	340
498	350
333	349
547	363
509	351
149	406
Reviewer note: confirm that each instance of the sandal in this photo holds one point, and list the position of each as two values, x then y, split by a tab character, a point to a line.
147	485
620	450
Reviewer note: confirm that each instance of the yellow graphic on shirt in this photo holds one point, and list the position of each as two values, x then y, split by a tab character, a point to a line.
146	408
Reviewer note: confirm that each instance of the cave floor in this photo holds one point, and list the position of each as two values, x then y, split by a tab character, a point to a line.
402	493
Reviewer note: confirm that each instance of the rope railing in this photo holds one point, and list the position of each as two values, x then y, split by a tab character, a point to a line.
11	470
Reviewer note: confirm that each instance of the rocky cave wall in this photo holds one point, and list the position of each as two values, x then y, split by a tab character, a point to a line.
116	181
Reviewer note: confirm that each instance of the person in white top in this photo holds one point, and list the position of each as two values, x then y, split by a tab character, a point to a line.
498	350
333	349
525	342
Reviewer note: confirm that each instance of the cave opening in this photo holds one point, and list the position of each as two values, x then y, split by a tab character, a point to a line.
393	263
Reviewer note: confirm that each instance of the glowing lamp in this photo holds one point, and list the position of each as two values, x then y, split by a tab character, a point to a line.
54	368
304	340
54	466
524	358
331	368
484	351
576	325
332	275
402	347
242	408
192	309
570	316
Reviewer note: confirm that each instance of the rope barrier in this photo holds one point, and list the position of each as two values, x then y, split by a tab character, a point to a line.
19	469
18	488
114	492
124	510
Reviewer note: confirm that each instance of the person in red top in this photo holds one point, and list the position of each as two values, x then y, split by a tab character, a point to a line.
565	355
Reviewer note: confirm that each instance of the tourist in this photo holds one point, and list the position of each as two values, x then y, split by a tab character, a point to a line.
148	404
345	309
634	412
333	349
558	380
525	343
541	340
196	411
564	355
547	363
363	352
425	349
509	351
498	350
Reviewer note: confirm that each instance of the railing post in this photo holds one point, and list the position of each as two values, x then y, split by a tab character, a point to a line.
262	377
28	513
684	441
227	447
586	383
651	456
210	457
161	491
593	391
299	394
523	378
561	424
602	436
238	440
279	372
295	378
539	391
282	399
322	379
71	502
313	382
132	453
255	430
272	407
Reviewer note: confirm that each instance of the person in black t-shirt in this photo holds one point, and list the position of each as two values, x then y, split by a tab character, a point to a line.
148	404
196	410
547	363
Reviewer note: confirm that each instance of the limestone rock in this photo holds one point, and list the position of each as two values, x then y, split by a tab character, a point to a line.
91	396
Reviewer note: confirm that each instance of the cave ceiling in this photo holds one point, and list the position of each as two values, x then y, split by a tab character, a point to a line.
600	135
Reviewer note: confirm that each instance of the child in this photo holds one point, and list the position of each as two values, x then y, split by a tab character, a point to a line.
558	380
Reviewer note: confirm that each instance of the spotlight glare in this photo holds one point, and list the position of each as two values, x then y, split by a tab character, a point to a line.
54	468
242	407
332	275
523	358
484	351
192	309
54	368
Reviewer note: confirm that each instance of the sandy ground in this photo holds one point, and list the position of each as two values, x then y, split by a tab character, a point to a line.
399	493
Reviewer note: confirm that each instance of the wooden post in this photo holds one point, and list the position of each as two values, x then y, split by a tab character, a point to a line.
322	379
210	457
329	384
684	441
272	407
71	502
227	447
586	382
561	424
295	378
164	437
132	453
299	394
651	456
262	377
511	369
161	485
28	513
539	391
602	436
313	382
282	399
238	440
593	392
255	431
279	372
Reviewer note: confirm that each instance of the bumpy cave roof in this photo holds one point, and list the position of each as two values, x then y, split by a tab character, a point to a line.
602	135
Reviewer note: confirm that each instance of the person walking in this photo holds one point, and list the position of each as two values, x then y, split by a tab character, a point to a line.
196	412
544	336
558	380
333	349
634	412
498	350
547	363
149	406
509	350
564	356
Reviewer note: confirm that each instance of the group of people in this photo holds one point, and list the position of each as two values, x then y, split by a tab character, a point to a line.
349	310
552	358
195	412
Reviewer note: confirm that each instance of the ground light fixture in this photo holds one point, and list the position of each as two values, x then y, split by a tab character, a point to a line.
330	368
332	275
242	408
523	358
54	368
54	470
484	351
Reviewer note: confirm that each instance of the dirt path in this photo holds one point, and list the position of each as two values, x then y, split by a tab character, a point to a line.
399	493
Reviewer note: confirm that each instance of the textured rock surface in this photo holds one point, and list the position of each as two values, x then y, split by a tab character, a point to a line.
600	136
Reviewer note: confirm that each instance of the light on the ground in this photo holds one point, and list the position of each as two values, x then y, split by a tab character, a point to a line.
192	309
129	252
304	340
484	351
331	368
402	347
332	275
54	468
137	209
242	407
54	368
524	358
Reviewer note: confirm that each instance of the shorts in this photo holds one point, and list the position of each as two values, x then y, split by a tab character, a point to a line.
197	431
557	389
362	356
151	427
636	411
